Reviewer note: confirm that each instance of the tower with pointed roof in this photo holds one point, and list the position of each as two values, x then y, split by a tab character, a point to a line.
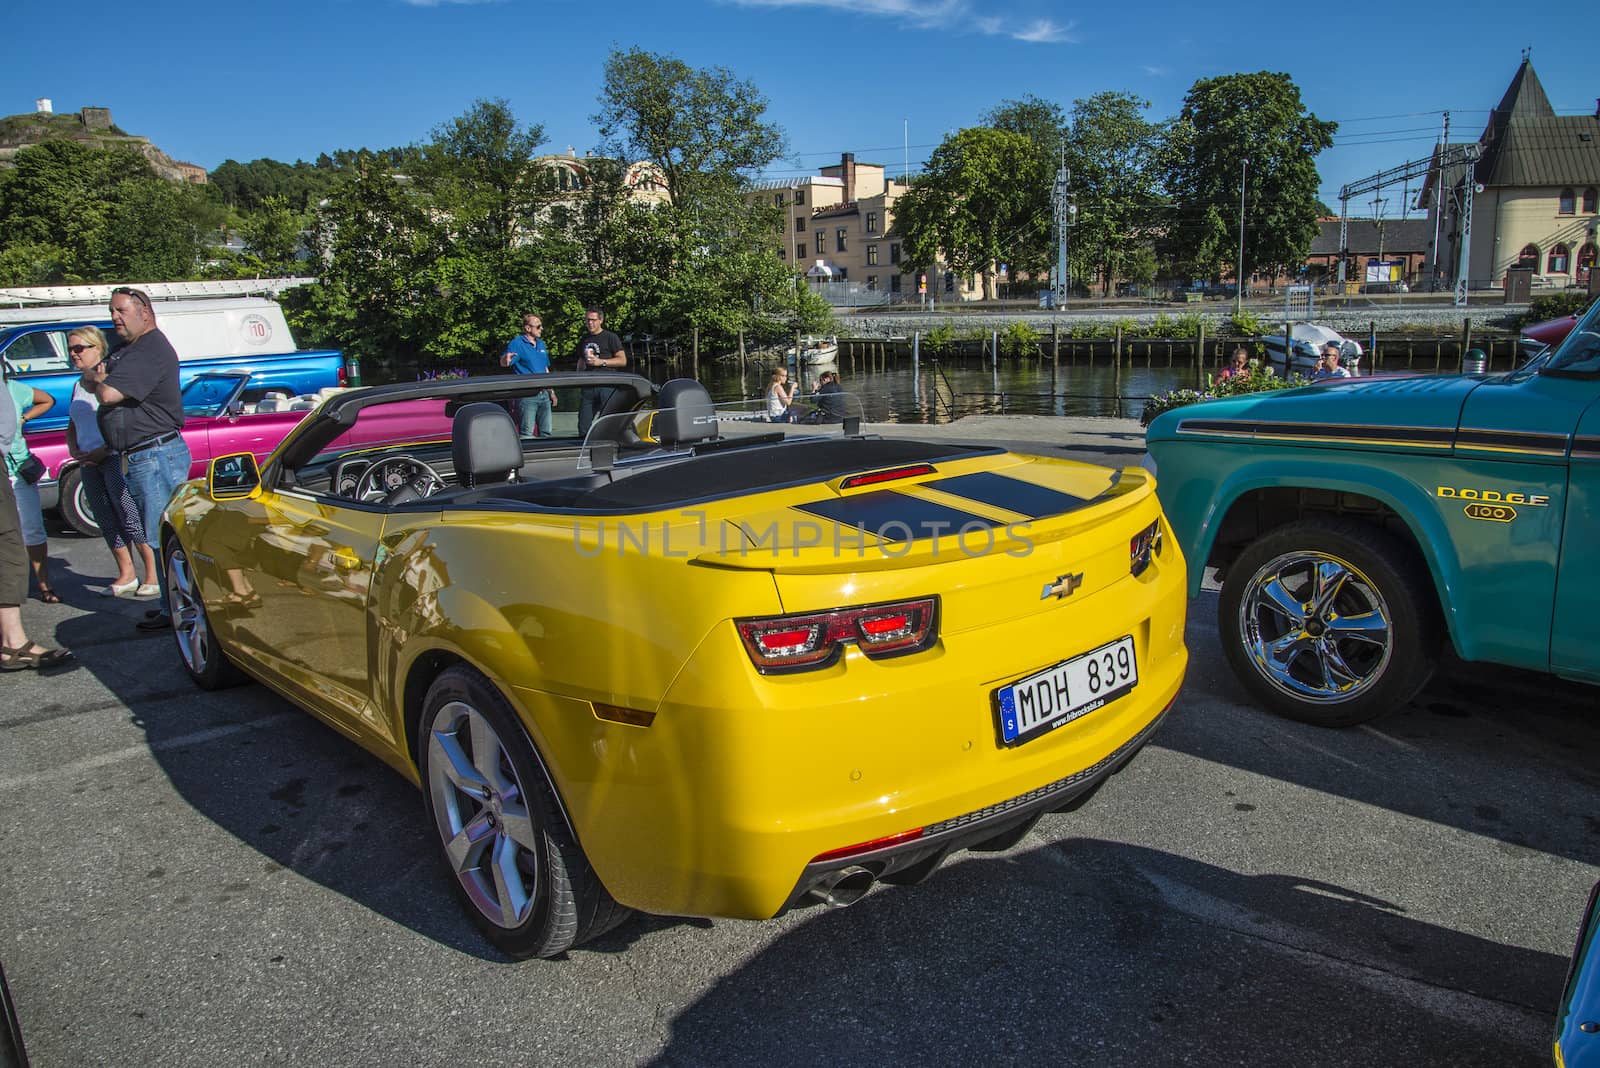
1537	203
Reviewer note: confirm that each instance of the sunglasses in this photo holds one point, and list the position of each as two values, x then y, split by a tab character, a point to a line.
79	350
136	294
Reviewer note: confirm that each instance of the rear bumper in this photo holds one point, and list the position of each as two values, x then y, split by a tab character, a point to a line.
998	826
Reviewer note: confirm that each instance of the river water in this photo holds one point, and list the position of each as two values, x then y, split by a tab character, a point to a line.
942	391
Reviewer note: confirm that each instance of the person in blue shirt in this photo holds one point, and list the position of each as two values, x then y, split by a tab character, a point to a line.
1328	366
526	355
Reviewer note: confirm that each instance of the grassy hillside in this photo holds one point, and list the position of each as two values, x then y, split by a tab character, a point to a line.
17	130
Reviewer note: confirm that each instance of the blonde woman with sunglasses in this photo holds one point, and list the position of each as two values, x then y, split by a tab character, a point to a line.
101	470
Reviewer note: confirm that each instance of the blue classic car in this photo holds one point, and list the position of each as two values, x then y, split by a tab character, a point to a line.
1357	524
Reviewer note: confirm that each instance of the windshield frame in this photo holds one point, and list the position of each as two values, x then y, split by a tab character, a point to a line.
214	410
1578	354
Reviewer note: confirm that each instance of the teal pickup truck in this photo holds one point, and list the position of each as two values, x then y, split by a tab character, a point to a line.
1357	523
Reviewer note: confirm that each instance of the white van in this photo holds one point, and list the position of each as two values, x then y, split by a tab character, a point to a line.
198	329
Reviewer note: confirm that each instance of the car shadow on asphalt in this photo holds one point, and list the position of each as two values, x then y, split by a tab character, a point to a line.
285	784
1495	751
1099	952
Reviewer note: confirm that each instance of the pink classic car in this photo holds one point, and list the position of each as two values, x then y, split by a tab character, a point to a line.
216	422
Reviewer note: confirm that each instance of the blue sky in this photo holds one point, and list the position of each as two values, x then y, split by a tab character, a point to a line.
289	79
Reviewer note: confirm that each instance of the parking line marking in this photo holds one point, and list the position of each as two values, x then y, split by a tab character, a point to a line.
1391	739
210	734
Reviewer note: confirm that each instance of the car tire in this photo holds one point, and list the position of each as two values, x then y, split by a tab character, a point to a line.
1329	622
491	806
198	647
73	504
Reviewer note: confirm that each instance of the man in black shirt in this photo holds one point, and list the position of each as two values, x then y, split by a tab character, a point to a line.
141	418
598	350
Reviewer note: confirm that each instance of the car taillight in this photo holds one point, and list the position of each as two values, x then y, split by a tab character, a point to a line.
893	474
815	639
1142	546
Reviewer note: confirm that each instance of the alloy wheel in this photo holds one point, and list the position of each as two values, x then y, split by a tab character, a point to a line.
195	641
1315	627
481	812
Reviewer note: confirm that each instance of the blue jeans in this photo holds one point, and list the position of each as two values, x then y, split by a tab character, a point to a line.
536	415
152	474
591	405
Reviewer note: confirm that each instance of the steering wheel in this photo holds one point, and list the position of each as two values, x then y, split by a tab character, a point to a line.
394	473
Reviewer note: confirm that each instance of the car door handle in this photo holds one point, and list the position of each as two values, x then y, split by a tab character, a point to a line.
346	560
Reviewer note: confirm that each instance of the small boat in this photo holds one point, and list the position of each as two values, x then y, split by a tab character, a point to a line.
1308	340
816	351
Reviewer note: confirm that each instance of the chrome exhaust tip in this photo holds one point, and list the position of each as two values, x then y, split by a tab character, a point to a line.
845	887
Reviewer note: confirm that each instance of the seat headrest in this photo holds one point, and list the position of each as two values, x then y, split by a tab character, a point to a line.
484	444
684	413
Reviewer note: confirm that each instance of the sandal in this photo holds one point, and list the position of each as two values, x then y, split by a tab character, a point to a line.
49	596
24	658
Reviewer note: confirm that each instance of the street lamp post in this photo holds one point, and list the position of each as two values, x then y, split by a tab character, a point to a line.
1238	288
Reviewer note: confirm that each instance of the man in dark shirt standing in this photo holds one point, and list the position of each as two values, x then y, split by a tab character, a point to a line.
141	416
598	350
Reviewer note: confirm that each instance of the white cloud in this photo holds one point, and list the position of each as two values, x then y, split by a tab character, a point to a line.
954	15
1043	31
441	3
1155	72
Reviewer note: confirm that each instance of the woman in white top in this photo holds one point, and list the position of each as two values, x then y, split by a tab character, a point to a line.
780	395
109	500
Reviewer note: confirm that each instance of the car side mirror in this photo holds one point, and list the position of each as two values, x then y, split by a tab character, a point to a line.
233	477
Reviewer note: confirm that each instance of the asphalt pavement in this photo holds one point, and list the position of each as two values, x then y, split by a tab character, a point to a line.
198	879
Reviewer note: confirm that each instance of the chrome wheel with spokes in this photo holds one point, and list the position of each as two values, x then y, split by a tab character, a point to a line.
481	811
492	804
207	664
1316	627
1327	621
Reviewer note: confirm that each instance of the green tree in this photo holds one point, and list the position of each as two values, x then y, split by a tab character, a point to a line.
1255	123
1117	157
1045	126
376	242
706	257
70	212
975	204
479	170
705	129
272	237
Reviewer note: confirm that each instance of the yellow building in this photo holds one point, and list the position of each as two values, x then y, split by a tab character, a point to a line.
1534	203
838	226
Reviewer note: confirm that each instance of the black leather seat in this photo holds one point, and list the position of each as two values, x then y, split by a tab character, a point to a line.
684	414
484	446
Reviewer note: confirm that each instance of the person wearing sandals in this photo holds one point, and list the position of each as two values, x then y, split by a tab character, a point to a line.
17	651
29	403
101	470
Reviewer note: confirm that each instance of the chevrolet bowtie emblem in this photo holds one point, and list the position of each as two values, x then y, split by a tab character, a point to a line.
1062	586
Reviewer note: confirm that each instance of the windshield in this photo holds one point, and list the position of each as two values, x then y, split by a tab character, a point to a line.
208	395
1579	353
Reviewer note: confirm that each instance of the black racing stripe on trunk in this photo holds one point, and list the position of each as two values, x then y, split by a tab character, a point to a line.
1012	494
896	517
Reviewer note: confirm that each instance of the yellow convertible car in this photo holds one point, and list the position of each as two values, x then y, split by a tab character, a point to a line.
689	662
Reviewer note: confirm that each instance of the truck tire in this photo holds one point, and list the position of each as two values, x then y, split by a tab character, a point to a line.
1330	622
74	504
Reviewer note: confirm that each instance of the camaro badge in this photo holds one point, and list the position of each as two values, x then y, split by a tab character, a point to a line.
1063	586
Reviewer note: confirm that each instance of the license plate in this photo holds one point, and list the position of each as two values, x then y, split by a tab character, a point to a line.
1057	695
